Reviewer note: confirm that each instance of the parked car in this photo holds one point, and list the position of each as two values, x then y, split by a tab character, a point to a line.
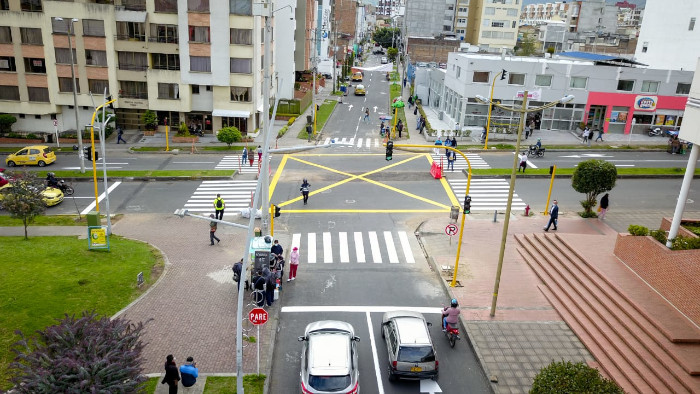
410	348
329	358
360	90
50	195
40	155
378	51
385	60
357	76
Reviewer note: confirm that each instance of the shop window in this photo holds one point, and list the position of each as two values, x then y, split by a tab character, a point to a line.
173	118
516	79
9	93
643	119
543	80
650	86
626	85
683	88
34	65
619	114
578	82
31	36
5	35
240	123
481	76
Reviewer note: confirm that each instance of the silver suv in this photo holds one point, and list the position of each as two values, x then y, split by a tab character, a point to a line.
329	358
410	348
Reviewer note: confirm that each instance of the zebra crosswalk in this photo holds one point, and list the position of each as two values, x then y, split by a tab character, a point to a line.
487	194
233	162
374	247
236	195
356	143
475	160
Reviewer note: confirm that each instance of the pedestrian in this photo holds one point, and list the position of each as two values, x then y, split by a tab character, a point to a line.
584	135
483	134
366	118
422	124
451	157
172	376
527	131
399	127
269	286
212	231
237	271
415	109
244	155
438	142
454	142
309	132
293	263
447	143
523	162
120	135
418	120
277	248
381	129
553	216
189	372
590	137
600	136
251	158
603	207
259	288
404	82
259	155
304	189
219	206
410	102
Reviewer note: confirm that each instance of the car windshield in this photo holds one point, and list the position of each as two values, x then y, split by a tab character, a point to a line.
329	383
416	354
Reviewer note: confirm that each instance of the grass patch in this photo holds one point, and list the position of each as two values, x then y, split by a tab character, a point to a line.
252	384
205	148
144	173
53	220
45	277
149	386
322	115
693	227
570	171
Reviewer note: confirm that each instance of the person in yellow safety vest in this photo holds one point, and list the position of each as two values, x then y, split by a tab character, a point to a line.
219	206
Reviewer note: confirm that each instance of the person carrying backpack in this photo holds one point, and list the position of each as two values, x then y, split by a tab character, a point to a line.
219	206
304	189
269	286
237	269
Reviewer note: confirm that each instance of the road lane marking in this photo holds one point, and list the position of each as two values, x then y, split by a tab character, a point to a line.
278	172
100	198
327	248
344	253
446	209
359	309
403	237
376	143
359	142
312	248
359	248
374	245
373	344
390	247
327	141
296	240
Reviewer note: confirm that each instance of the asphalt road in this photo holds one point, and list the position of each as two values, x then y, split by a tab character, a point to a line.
570	159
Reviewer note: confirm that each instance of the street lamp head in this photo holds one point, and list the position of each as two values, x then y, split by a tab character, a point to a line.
566	99
481	99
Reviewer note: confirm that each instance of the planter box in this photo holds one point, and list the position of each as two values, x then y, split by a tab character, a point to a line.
185	139
150	132
6	140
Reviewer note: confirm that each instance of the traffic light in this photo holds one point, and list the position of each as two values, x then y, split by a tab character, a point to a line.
467	204
551	170
277	211
389	150
503	74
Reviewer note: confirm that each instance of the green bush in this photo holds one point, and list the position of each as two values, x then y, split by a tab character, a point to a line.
183	130
282	131
659	235
229	135
291	120
6	122
638	230
12	134
568	377
149	120
685	243
32	136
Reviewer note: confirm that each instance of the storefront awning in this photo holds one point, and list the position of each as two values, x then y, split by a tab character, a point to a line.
229	113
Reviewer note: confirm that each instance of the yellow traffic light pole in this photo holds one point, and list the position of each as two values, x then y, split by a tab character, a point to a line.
466	193
272	220
549	195
92	151
488	119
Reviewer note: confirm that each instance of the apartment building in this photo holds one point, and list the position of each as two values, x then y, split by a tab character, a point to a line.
534	14
192	61
493	23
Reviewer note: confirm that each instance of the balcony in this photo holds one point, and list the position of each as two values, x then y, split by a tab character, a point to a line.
133	67
166	40
130	37
133	95
131	5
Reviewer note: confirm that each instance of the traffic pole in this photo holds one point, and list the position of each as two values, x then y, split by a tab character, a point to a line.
549	195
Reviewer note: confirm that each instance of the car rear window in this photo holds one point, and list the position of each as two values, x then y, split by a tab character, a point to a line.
47	150
416	354
329	383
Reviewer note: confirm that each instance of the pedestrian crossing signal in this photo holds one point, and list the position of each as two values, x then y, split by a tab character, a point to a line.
503	74
467	204
277	211
389	150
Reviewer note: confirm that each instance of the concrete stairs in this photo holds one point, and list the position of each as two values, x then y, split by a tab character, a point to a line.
643	353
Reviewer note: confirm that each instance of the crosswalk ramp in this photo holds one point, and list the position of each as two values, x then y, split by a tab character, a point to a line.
354	143
488	194
460	164
236	195
371	247
233	162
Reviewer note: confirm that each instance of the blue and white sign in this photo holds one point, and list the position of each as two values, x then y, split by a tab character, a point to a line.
645	103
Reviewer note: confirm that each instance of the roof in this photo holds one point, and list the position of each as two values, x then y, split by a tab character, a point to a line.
329	353
601	59
412	331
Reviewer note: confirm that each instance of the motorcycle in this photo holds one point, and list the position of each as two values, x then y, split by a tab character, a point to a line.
535	151
655	131
61	185
452	333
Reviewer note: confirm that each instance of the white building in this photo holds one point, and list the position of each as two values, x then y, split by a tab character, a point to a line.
285	26
670	34
493	23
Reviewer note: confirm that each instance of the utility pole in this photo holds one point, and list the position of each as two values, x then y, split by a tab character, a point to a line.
74	63
267	127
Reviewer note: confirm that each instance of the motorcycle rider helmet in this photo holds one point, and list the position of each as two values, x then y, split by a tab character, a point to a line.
454	303
50	174
268	239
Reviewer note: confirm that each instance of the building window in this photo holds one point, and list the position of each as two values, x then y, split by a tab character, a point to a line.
458	72
169	6
95	58
241	7
645	46
683	88
512	12
135	61
240	123
34	65
199	33
130	5
195	89
498	23
543	80
9	93
239	93
168	91
516	79
462	9
198	5
626	85
512	25
132	31
37	116
31	5
691	25
165	61
31	36
133	89
481	76
5	35
241	65
40	95
93	27
63	56
4	5
98	85
60	27
164	33
490	11
461	20
650	86
200	63
578	82
65	85
242	36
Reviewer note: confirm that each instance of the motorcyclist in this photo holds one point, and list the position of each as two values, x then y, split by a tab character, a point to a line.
538	144
450	314
51	180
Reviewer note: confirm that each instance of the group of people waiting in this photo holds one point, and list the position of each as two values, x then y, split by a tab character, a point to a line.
187	374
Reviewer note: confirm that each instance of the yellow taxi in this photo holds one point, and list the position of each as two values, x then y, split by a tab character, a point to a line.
50	195
357	76
360	90
40	155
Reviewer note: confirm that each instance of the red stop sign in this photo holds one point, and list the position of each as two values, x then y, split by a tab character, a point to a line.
258	316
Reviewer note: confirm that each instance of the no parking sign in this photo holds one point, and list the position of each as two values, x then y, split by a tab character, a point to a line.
451	230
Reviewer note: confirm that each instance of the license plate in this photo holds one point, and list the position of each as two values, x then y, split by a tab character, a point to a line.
416	369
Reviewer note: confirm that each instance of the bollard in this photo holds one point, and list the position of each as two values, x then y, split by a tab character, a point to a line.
495	215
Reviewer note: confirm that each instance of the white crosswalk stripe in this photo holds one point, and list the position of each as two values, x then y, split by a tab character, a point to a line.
233	162
236	195
475	160
354	143
335	247
487	194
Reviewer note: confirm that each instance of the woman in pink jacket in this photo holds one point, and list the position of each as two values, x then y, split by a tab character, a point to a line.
293	263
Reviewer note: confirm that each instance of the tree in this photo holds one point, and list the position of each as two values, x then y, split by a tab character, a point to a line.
150	120
391	53
183	130
527	45
568	377
593	177
384	36
88	354
23	199
229	135
6	122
